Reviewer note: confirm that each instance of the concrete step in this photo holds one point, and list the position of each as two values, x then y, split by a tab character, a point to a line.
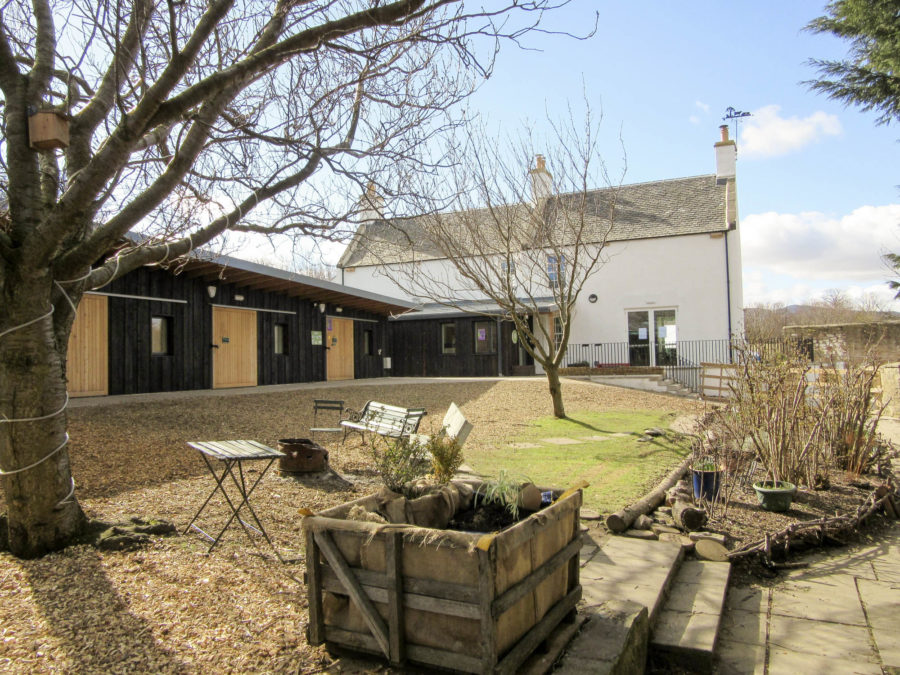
688	624
624	582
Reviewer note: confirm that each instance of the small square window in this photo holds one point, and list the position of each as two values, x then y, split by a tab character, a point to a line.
448	338
280	334
161	335
484	337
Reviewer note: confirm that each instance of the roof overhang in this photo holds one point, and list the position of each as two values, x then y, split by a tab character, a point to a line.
226	269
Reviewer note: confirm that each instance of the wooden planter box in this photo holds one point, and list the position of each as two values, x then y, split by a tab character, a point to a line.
471	602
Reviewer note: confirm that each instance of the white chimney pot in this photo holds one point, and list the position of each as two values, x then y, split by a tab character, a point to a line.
726	157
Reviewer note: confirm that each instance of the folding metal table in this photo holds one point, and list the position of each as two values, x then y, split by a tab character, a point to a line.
233	454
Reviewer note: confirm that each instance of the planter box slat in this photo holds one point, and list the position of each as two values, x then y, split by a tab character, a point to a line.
352	587
515	593
411	586
434	597
380	594
517	655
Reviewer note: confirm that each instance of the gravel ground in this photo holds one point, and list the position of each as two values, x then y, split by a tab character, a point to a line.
171	608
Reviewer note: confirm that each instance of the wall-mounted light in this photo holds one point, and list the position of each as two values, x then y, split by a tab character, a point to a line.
238	298
592	298
211	290
322	307
338	309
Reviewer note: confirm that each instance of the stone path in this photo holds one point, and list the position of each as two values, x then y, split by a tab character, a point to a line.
839	615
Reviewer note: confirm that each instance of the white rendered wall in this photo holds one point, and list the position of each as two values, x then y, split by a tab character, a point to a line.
685	273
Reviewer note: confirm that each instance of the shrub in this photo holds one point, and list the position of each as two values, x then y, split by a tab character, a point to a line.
772	413
399	461
446	456
849	428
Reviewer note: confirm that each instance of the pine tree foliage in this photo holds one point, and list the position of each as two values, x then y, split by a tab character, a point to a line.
870	77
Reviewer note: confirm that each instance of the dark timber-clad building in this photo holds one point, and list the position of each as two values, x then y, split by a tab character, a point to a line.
225	323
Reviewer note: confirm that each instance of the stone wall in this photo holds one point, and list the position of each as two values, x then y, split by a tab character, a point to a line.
880	339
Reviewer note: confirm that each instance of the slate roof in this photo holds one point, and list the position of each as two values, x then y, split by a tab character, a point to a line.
665	208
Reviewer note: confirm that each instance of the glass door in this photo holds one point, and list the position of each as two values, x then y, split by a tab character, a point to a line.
652	327
666	352
639	338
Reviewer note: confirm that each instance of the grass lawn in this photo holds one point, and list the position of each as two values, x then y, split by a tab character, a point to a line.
602	448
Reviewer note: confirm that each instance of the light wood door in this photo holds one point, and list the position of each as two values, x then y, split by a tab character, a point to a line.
234	350
87	362
339	340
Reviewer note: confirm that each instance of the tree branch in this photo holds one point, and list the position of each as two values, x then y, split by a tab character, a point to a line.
9	72
45	52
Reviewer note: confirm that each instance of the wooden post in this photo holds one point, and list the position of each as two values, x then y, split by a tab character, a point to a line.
393	569
486	590
315	632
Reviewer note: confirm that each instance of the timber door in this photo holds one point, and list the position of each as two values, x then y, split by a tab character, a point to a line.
234	347
87	362
339	336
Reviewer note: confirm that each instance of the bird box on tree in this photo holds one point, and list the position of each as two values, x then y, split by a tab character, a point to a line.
48	130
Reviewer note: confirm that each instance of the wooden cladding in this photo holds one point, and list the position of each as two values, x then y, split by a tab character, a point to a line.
234	347
87	366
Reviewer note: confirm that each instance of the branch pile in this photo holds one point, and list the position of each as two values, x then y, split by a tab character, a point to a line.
822	530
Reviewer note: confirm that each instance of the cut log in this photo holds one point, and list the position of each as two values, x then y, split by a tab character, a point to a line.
688	517
622	520
642	522
681	490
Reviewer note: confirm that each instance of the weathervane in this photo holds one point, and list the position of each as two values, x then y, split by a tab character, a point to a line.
735	116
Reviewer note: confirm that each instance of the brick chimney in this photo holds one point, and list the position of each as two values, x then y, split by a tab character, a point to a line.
371	204
726	157
541	181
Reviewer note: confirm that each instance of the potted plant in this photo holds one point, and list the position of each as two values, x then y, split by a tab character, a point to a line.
774	495
707	474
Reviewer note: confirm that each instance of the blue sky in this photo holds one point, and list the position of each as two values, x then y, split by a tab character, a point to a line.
817	182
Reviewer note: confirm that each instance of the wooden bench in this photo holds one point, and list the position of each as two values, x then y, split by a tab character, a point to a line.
383	419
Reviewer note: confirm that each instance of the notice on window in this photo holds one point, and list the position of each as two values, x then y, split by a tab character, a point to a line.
316	336
328	324
662	332
482	334
642	333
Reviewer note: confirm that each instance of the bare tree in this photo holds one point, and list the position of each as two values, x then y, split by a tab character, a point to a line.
767	321
189	119
525	244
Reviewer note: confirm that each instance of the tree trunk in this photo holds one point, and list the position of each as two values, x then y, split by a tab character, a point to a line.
559	409
42	516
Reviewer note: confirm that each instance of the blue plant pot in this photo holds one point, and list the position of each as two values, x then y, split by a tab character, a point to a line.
707	484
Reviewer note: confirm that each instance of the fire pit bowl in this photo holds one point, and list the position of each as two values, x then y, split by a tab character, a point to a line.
302	456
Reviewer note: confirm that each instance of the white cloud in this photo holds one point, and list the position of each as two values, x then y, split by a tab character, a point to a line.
813	245
767	134
703	106
694	119
792	258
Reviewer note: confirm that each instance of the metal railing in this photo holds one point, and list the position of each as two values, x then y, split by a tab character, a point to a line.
681	363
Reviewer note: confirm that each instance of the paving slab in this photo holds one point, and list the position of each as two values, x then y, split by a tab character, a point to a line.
598	439
887	570
782	662
562	440
748	599
740	658
832	640
747	627
882	603
829	598
524	446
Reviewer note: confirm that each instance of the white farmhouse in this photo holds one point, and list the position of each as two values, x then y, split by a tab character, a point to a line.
668	278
